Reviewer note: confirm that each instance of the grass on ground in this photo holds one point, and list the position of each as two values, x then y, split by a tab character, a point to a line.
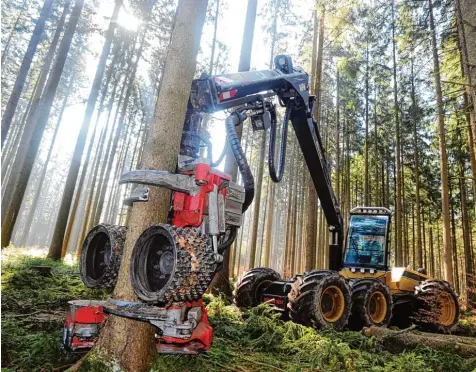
34	305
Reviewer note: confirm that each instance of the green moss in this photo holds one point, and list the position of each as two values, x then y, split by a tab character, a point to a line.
257	340
94	362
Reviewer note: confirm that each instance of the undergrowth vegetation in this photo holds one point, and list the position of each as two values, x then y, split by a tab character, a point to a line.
34	303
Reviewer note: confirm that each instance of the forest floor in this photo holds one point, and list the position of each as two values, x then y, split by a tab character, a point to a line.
34	305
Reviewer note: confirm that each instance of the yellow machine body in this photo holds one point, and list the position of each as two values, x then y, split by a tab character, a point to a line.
398	279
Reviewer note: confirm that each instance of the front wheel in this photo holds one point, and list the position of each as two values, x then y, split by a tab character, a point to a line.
323	301
251	286
371	304
438	308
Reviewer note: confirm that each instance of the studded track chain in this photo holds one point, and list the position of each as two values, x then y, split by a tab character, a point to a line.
195	265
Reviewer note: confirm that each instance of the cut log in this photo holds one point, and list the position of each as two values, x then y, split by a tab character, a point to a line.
398	341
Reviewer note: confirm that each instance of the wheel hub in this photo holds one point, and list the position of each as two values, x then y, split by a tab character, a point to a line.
377	307
332	304
447	309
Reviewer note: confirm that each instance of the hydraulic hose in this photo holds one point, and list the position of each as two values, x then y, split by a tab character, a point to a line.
277	176
235	145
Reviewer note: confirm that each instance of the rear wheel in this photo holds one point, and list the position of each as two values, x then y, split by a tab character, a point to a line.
438	308
323	300
101	255
251	286
371	304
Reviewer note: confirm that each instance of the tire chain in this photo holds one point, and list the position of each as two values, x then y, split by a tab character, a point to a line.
117	236
195	266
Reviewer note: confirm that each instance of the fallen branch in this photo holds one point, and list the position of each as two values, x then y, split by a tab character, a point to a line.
22	315
396	341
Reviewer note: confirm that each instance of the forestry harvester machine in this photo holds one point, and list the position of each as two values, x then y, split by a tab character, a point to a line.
173	264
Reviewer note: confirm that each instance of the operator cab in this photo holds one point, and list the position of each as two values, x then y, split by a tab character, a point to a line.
367	238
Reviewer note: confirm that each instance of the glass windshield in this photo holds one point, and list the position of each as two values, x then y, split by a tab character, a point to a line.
366	240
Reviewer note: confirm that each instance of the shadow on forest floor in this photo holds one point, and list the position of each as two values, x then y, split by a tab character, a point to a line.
34	304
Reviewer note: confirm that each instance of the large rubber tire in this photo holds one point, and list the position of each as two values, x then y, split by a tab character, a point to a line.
251	285
101	256
171	263
437	306
371	304
322	300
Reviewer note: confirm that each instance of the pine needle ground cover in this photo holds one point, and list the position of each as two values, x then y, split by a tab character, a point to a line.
34	302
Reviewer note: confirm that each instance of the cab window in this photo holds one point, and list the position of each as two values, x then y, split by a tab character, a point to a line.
366	240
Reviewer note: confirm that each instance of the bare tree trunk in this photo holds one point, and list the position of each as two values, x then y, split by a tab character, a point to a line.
221	282
416	160
121	124
34	103
25	68
398	181
12	32
96	161
465	218
29	144
447	246
39	183
12	148
129	343
366	153
62	219
212	57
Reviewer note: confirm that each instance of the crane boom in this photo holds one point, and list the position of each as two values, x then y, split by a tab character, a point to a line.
291	86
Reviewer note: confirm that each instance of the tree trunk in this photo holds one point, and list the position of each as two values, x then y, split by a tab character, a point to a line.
212	57
465	15
30	143
39	183
25	68
121	124
221	282
129	343
257	199
465	219
12	32
366	153
96	160
416	160
447	246
318	80
399	341
398	176
62	219
45	69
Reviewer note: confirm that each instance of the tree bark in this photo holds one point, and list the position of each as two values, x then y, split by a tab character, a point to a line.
25	68
62	219
396	341
398	176
366	153
416	160
39	183
12	32
221	282
30	143
212	57
447	246
120	125
127	342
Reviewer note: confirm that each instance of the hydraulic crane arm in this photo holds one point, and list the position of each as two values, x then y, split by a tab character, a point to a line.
291	86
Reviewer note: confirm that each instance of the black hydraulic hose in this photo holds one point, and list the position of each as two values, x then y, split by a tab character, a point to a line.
277	177
229	241
235	145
